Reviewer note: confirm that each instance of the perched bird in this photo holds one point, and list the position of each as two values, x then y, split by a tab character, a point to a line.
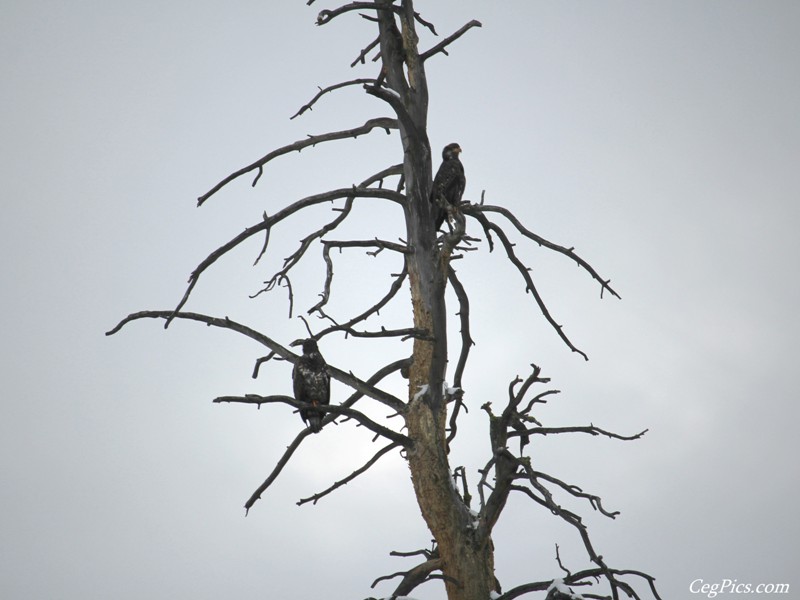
312	384
449	183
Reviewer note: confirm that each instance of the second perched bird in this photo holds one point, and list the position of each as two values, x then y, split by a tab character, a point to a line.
312	384
448	185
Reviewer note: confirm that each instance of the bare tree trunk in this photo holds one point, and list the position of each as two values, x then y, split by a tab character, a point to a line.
467	563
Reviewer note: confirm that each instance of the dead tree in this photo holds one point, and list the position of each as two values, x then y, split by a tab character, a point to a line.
463	553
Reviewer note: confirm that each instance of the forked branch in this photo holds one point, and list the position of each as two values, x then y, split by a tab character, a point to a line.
524	271
270	221
568	252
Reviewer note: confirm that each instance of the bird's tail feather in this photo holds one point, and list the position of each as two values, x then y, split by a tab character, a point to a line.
314	421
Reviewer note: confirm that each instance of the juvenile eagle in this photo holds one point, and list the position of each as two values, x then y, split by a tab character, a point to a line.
449	183
312	384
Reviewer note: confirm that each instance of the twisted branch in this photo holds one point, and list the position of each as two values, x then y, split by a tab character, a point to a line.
466	343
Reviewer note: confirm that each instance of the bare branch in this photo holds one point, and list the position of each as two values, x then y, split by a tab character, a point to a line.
397	438
326	16
305	243
466	343
574	490
566	515
413	577
313	499
266	240
441	46
396	285
326	288
225	323
525	272
394	99
269	222
465	495
312	140
363	54
374	243
569	252
560	564
422	552
260	362
405	334
276	470
582	578
425	23
590	429
363	81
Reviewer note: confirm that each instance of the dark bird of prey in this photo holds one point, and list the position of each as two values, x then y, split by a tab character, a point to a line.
449	183
312	384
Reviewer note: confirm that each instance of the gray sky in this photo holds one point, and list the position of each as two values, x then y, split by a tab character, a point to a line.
660	139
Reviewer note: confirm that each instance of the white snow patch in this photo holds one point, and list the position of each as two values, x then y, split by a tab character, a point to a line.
423	389
561	587
392	92
476	518
447	390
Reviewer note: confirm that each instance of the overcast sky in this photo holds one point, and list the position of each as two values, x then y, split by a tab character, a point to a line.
661	139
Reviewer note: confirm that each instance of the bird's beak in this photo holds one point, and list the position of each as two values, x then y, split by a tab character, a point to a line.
459	150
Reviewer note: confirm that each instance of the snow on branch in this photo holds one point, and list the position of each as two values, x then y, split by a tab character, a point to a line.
586	578
542	495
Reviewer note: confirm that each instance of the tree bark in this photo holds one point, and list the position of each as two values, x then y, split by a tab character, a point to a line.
467	561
